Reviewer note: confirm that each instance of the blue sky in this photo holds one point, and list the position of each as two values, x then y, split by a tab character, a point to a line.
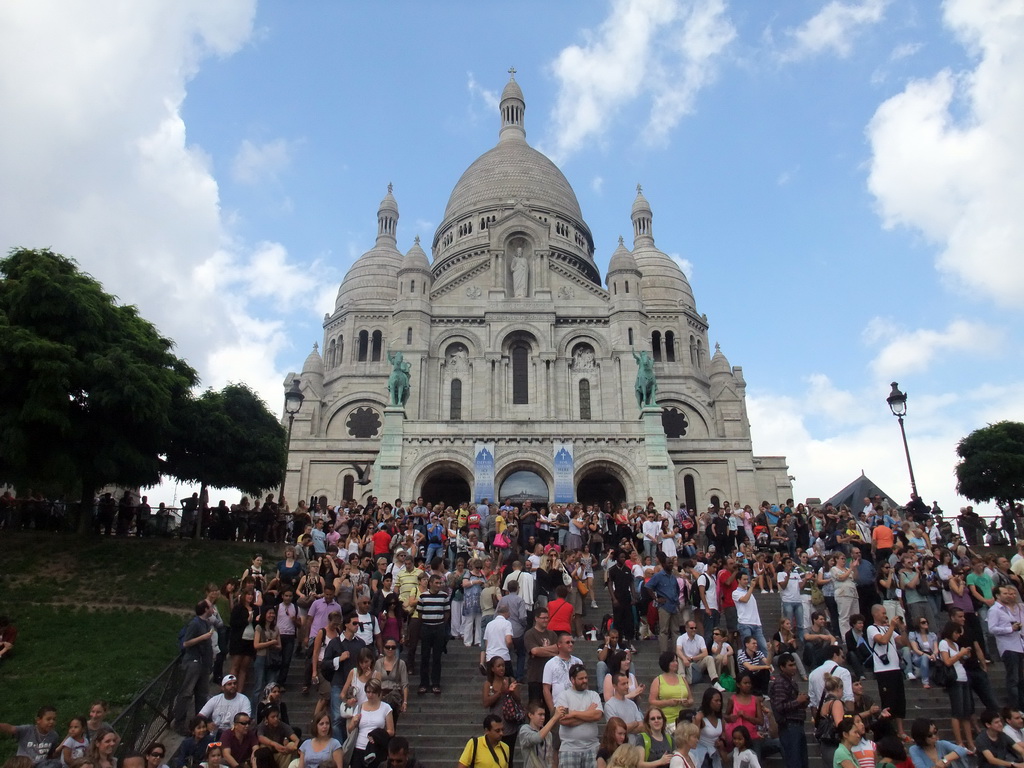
841	181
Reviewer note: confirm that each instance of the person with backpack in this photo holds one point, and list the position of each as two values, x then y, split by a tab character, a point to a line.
195	642
829	716
435	538
487	751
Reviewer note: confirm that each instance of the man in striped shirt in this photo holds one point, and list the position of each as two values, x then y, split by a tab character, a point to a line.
435	613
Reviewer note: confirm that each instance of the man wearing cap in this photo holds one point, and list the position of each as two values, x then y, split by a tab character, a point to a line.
222	708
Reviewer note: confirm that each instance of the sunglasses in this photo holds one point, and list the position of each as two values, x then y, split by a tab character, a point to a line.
156	754
390	647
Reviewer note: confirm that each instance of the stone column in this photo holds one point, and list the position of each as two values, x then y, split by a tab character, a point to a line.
387	469
660	469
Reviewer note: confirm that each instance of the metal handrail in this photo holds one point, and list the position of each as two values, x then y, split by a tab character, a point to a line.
149	714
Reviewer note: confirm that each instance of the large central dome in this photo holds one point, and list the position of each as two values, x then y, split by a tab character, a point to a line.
512	171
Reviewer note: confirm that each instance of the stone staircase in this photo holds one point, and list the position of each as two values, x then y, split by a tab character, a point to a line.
438	727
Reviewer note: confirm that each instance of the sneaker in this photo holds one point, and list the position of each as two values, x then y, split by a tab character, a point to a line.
593	604
718	687
911	676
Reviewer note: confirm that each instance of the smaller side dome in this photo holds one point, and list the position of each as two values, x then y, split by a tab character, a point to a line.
314	364
416	259
719	363
622	260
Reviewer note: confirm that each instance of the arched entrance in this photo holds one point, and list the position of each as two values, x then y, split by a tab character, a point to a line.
445	487
522	485
599	486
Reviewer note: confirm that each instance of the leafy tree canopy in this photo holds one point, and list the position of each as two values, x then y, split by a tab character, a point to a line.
991	464
228	439
88	388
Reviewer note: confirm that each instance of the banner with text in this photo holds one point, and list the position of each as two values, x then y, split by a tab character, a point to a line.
565	490
483	472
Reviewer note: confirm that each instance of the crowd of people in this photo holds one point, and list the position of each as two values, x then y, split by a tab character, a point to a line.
362	590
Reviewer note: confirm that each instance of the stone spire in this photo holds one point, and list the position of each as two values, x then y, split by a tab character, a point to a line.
387	219
643	234
512	110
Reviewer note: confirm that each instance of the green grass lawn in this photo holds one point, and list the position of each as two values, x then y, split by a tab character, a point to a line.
97	618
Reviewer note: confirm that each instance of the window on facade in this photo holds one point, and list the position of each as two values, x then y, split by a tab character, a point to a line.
670	346
375	346
656	346
412	286
520	375
629	336
341	350
627	286
364	343
348	488
674	422
693	352
690	493
408	335
455	408
584	400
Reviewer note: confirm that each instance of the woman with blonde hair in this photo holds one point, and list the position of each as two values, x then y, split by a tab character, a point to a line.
626	756
685	739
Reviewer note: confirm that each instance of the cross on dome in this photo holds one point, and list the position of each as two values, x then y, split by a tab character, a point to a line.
512	73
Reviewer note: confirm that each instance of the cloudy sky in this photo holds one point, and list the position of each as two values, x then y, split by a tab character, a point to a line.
842	181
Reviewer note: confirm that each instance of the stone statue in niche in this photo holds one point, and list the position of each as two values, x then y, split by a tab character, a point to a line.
582	358
457	358
520	274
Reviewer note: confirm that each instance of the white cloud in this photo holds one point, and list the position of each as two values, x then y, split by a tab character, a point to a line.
684	264
947	159
597	184
106	175
255	163
826	457
904	51
489	98
914	351
661	50
833	28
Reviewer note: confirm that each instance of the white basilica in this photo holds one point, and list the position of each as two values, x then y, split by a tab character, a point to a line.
514	351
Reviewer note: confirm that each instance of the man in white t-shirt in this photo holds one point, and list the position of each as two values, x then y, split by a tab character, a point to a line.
692	652
883	640
790	583
748	618
579	730
652	534
833	666
556	670
498	636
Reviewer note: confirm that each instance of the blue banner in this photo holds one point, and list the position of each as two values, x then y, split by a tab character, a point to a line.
483	472
565	486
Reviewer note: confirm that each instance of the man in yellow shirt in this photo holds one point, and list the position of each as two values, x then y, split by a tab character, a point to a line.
487	751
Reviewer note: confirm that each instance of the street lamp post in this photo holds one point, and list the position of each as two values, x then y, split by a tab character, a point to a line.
898	405
292	403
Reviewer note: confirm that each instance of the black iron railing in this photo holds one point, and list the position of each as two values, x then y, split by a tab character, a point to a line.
148	716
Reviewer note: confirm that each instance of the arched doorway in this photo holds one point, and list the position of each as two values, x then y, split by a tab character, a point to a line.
598	486
445	487
522	485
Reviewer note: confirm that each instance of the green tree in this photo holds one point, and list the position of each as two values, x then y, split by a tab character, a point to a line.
991	464
88	388
227	439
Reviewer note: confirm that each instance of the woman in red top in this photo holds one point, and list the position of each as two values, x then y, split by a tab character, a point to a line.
560	611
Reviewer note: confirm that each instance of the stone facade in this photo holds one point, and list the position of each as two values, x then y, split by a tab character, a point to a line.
511	338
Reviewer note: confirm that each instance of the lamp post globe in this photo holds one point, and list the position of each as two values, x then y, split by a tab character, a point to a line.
292	404
897	401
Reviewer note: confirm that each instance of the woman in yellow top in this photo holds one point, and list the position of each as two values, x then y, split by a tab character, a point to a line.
669	690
